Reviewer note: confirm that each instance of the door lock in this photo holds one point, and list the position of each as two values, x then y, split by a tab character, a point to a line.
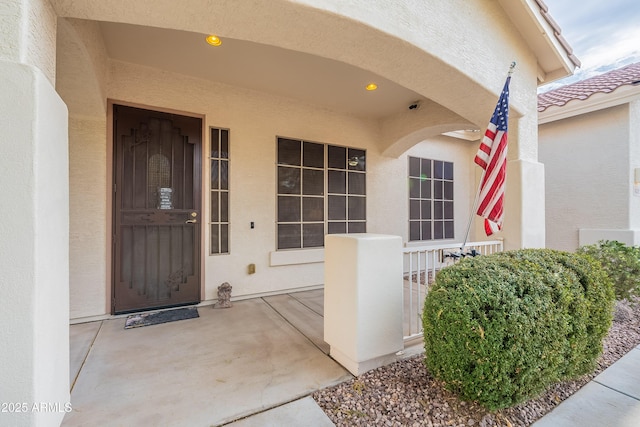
193	219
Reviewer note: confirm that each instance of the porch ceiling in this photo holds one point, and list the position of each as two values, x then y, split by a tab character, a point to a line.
317	80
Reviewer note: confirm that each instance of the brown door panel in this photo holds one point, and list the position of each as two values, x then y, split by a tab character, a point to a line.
156	209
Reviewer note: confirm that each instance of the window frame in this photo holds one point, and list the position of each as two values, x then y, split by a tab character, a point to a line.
327	168
220	192
431	199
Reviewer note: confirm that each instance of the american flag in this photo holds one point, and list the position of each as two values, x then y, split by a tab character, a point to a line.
492	157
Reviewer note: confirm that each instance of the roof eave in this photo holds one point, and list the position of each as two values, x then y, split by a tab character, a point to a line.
597	101
543	35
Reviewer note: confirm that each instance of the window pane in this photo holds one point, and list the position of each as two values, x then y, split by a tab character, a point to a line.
288	236
337	182
288	180
224	206
414	230
357	159
357	227
426	230
313	235
215	206
224	143
312	182
356	183
438	229
426	168
337	157
448	170
425	188
414	167
288	209
448	190
224	174
437	190
215	243
438	171
448	210
414	209
448	230
312	209
414	188
215	174
337	207
437	210
426	209
224	238
288	152
337	227
215	143
357	208
313	155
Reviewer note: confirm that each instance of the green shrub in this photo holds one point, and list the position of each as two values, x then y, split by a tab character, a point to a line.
499	329
622	264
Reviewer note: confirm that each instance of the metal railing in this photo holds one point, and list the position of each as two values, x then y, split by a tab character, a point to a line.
420	265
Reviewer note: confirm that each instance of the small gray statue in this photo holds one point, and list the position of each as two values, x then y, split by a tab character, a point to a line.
224	296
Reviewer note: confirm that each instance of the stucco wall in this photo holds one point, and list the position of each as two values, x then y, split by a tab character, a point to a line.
82	67
89	216
28	34
634	163
586	161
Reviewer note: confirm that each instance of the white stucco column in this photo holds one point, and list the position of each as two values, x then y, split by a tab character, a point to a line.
34	248
363	299
34	221
524	224
524	220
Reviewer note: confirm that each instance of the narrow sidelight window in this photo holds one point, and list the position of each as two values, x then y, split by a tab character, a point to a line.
219	222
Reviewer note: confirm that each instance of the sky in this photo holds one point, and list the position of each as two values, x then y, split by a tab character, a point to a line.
604	34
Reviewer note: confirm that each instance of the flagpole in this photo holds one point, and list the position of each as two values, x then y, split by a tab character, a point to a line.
473	211
475	202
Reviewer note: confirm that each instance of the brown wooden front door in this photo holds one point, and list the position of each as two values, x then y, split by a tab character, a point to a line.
157	158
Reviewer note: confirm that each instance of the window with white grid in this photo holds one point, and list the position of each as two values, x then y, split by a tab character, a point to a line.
321	190
430	199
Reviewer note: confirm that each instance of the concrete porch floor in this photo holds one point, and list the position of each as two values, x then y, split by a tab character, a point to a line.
222	366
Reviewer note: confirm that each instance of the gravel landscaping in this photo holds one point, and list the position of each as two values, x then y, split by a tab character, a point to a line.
405	394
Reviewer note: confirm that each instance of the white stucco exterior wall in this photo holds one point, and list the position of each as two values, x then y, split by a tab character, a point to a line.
586	160
634	167
28	34
89	217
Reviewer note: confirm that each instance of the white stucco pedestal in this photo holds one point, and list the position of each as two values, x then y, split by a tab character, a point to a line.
363	299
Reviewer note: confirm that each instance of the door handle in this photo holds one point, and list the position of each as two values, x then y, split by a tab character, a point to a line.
193	219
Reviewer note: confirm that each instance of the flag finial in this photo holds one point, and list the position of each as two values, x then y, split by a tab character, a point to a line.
512	67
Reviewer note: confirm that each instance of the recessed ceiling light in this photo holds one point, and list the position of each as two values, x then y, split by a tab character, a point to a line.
371	86
214	40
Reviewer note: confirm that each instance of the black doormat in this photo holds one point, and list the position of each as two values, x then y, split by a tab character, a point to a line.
147	319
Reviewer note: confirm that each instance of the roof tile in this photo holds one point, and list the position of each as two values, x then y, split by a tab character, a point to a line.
603	83
557	32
